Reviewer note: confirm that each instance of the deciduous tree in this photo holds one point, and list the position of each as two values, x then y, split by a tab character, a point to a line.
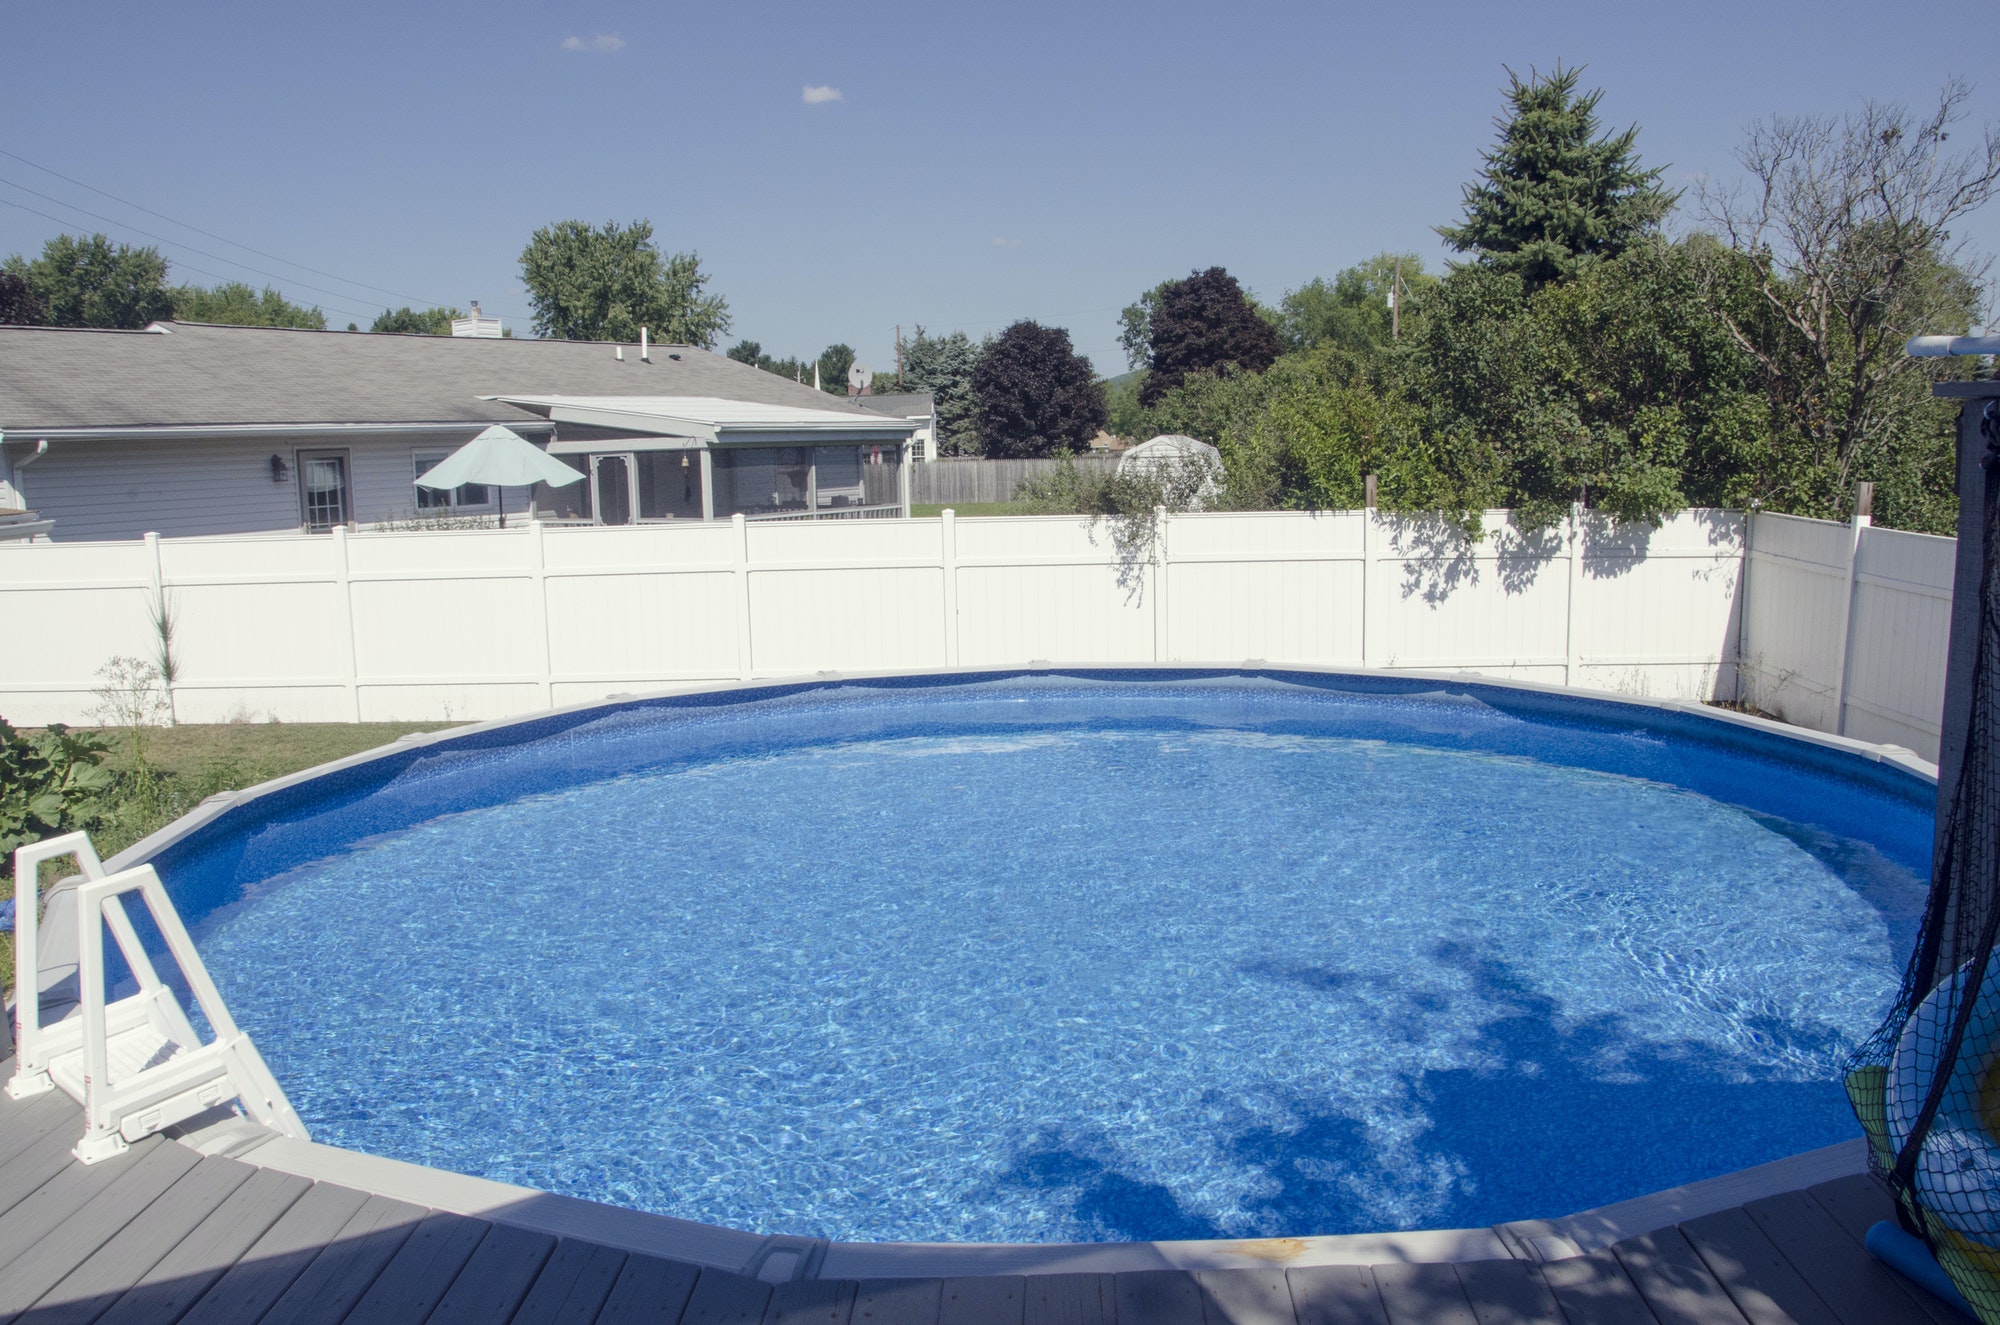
1201	324
96	283
1841	247
1036	395
605	283
408	321
235	304
18	305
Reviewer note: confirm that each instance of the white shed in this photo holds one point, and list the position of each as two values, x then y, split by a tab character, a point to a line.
1176	455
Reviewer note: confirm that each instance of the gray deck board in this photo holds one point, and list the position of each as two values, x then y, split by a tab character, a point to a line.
422	1271
277	1258
497	1278
1595	1290
649	1291
1855	1286
982	1300
1508	1293
1423	1295
1069	1299
722	1298
1675	1281
37	1164
161	1235
164	1293
28	1121
1158	1297
1336	1295
897	1301
69	1236
1756	1275
810	1302
1246	1297
328	1289
1856	1204
65	1192
102	1277
572	1286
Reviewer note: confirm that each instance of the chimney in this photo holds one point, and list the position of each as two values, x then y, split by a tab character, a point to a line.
645	350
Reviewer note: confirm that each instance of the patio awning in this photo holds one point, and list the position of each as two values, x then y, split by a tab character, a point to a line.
713	421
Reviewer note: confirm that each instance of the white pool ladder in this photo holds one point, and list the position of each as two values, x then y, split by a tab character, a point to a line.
134	1063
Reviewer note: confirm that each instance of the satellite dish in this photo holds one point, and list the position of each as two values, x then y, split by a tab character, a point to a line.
858	377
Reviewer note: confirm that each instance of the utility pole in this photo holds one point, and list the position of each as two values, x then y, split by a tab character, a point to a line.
899	356
1396	304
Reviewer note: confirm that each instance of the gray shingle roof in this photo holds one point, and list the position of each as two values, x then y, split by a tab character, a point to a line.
62	378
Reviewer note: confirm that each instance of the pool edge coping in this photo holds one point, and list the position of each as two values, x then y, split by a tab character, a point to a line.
214	806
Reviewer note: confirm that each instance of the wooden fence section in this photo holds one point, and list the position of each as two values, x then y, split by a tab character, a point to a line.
1847	627
948	481
488	623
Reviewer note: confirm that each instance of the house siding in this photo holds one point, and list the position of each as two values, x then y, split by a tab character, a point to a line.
191	487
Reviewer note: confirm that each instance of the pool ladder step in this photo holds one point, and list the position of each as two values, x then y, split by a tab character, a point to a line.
135	1063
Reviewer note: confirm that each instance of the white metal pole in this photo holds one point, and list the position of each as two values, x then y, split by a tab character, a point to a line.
1864	506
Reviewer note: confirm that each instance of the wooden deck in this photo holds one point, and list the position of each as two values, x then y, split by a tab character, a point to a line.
165	1234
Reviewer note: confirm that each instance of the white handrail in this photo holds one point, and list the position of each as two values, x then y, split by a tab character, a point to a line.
189	1081
178	1076
31	1043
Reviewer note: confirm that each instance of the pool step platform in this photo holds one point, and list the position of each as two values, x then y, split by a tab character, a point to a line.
135	1063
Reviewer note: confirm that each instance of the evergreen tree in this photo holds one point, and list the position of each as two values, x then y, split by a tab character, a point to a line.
942	365
1201	324
1553	192
1037	396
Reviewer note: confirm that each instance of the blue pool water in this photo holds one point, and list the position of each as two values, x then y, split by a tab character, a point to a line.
1073	958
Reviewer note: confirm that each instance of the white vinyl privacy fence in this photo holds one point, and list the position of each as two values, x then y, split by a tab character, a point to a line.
1846	628
475	624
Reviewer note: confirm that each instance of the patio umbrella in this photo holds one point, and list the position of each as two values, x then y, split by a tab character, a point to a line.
500	458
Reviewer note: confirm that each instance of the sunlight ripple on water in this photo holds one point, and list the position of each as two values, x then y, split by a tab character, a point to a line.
1076	983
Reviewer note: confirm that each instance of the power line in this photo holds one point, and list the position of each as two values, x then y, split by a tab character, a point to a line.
162	239
125	202
201	271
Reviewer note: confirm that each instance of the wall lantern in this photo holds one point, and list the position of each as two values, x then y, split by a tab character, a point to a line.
279	473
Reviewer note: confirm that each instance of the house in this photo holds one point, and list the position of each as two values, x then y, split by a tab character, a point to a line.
187	429
918	406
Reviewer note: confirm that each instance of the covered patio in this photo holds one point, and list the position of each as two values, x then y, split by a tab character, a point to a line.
654	458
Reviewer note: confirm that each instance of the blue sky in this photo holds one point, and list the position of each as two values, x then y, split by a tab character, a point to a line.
979	164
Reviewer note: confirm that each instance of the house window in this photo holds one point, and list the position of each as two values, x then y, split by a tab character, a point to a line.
323	490
430	499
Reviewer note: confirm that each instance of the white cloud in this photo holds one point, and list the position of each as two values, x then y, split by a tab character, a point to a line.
1006	243
604	42
820	94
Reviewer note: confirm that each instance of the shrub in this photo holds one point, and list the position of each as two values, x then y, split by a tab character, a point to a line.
50	784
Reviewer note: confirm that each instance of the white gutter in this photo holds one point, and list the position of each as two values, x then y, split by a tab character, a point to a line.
880	427
178	431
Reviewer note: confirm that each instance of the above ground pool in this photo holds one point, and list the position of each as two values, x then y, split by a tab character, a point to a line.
1074	956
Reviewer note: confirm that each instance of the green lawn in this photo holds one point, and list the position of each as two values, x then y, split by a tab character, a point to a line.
931	512
187	764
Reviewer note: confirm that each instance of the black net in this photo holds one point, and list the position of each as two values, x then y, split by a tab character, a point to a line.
1926	1086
